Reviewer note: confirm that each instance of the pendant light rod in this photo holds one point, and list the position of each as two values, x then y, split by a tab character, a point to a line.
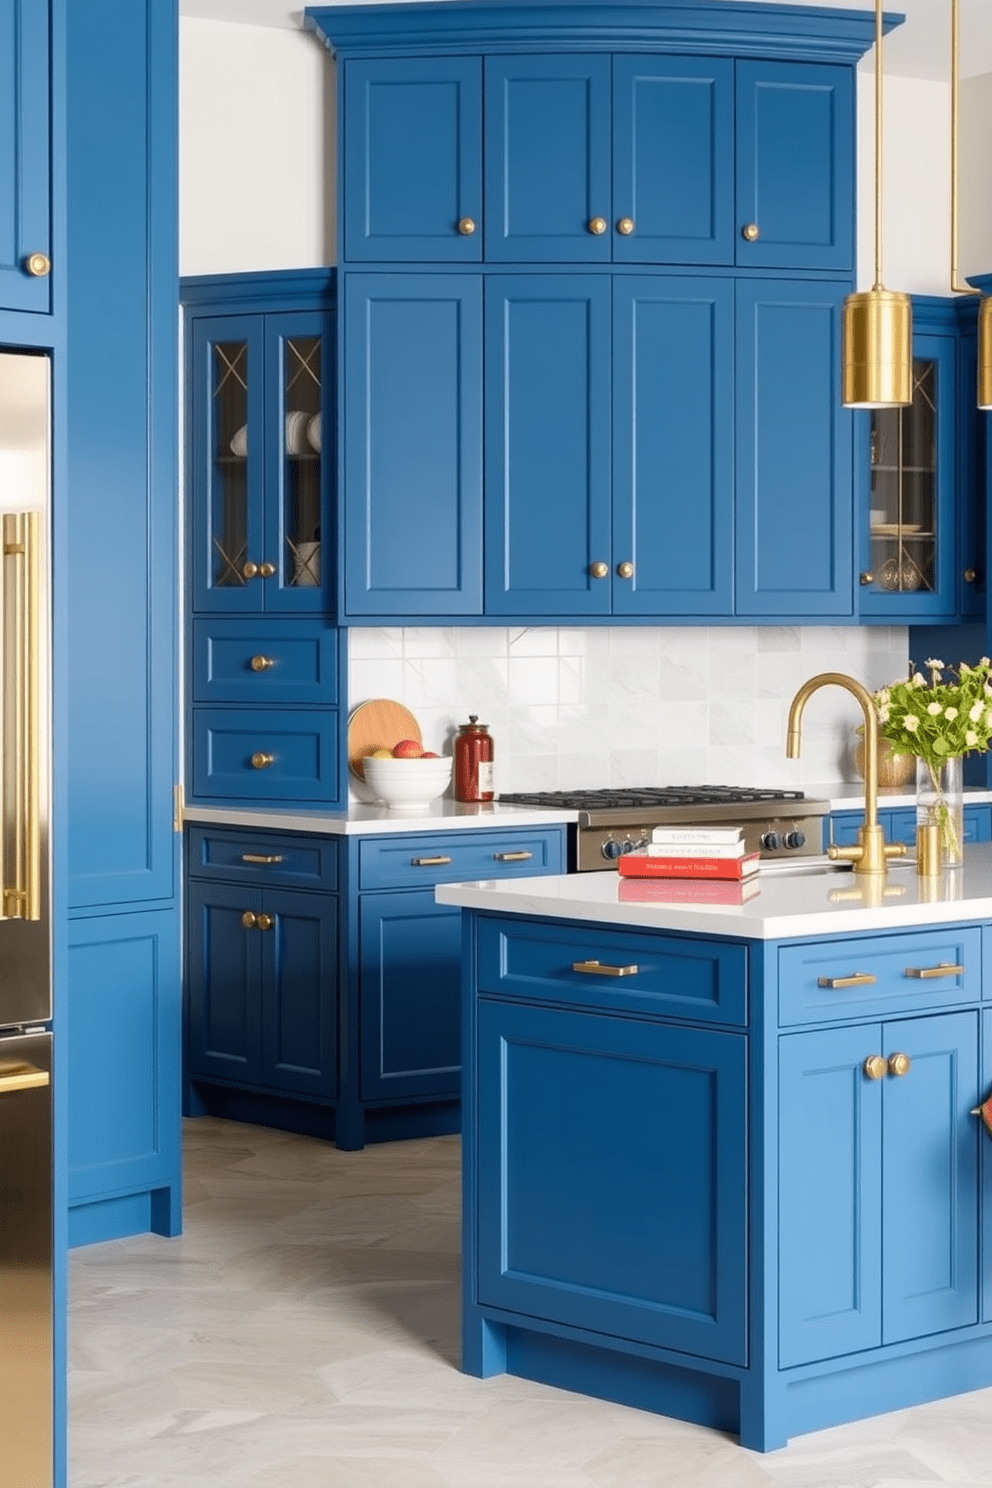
956	286
878	145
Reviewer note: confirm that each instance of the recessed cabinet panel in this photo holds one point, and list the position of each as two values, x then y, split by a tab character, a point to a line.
794	469
985	1139
299	986
297	373
265	754
672	445
673	159
547	159
548	473
413	136
223	986
25	138
795	165
413	445
279	661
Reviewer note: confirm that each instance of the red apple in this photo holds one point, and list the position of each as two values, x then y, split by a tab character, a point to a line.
429	754
407	749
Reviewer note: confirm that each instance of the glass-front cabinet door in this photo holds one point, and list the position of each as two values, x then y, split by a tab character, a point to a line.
258	472
908	570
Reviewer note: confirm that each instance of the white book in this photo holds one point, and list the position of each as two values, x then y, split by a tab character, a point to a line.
685	836
688	850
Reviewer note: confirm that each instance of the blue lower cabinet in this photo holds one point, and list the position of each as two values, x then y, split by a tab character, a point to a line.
877	1187
593	1131
410	969
985	1140
124	1036
262	988
899	825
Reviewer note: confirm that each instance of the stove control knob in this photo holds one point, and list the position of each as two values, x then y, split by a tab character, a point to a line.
795	839
771	840
611	848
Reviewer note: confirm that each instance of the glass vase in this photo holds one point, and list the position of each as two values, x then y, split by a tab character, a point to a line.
940	803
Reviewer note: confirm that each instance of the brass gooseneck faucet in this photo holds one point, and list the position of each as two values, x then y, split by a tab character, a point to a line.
872	853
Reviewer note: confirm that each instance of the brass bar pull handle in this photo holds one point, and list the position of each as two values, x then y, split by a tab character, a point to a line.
601	968
856	979
261	857
428	862
928	973
512	857
20	856
17	1074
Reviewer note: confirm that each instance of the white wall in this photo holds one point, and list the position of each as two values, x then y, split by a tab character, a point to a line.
575	706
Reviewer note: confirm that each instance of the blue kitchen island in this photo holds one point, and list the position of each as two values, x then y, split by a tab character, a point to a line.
722	1161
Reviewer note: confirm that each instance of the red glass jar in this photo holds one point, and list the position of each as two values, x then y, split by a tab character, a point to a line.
474	779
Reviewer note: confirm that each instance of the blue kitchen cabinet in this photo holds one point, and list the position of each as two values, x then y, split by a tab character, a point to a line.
878	1185
412	463
794	468
971	486
412	184
899	825
25	155
985	1141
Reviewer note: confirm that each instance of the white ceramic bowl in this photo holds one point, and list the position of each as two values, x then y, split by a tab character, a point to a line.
408	784
296	433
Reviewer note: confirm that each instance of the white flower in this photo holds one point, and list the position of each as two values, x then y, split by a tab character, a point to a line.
918	680
950	714
938	665
911	723
983	661
883	713
971	738
934	708
975	711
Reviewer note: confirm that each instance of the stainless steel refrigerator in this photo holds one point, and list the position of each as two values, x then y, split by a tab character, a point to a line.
26	1029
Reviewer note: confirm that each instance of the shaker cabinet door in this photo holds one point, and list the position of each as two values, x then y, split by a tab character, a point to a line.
299	1003
25	167
223	988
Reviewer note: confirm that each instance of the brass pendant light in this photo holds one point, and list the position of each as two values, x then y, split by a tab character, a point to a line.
985	303
877	328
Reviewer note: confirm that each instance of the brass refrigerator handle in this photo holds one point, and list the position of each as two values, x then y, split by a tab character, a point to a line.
22	713
17	1074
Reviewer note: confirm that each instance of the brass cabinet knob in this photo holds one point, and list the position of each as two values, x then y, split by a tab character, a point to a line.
266	570
625	226
261	663
38	265
899	1064
598	226
876	1066
466	226
970	575
625	570
249	570
599	570
265	922
248	920
750	232
867	578
261	761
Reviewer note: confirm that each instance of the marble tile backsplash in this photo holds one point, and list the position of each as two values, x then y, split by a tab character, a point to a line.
634	705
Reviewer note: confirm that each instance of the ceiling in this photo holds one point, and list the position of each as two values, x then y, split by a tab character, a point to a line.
919	48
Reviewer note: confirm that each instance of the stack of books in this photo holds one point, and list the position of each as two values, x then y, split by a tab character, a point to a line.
684	861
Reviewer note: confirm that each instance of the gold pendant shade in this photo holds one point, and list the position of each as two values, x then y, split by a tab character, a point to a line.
878	349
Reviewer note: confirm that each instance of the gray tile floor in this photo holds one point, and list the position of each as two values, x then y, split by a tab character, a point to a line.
303	1333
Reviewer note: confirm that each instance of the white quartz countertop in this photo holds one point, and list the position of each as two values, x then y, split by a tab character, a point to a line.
850	795
827	901
361	820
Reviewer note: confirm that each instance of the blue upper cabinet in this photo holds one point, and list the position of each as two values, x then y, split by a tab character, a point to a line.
25	163
413	187
412	429
259	386
794	486
795	166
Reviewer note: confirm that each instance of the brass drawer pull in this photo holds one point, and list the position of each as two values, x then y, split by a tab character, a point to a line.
512	857
899	1064
428	862
249	570
265	922
266	570
261	857
249	920
600	968
625	226
856	979
927	973
598	226
261	663
261	761
466	226
751	232
38	265
876	1066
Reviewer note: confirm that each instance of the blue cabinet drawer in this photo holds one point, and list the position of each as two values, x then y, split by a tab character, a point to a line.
296	754
641	973
263	857
265	661
449	857
879	974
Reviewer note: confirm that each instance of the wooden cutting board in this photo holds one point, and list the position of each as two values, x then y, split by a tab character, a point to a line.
378	724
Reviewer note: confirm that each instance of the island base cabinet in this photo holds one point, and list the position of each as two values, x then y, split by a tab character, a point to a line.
612	1193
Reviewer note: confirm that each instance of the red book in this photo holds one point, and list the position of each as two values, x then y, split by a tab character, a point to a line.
641	865
688	891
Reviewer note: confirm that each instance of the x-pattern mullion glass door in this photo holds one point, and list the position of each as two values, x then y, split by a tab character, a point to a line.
296	366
